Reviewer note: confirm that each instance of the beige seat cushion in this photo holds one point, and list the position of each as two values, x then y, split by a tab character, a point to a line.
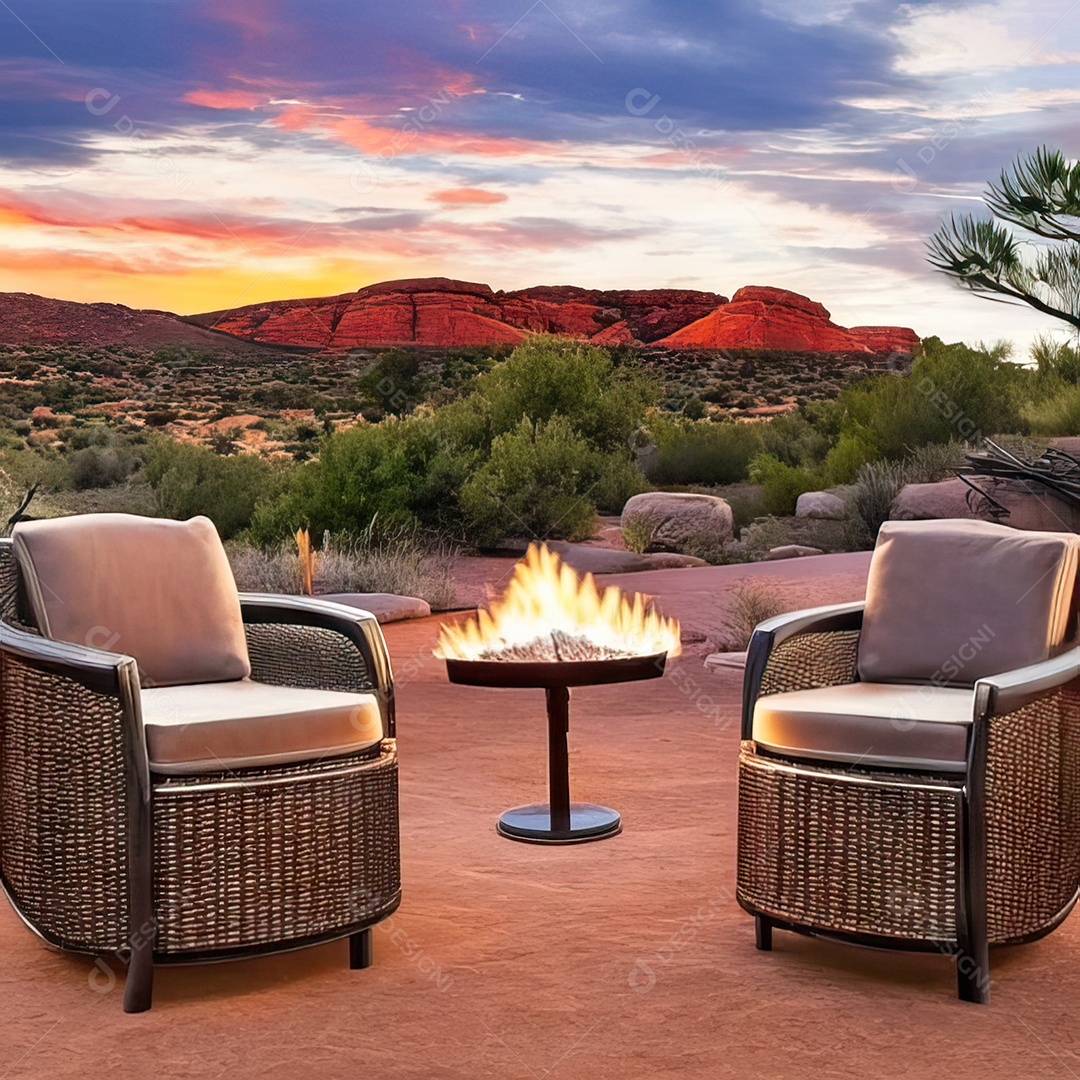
917	727
245	724
950	602
160	591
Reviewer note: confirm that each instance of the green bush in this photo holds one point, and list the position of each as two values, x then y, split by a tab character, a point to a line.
549	376
99	467
704	452
189	480
538	444
781	484
1058	414
953	392
543	482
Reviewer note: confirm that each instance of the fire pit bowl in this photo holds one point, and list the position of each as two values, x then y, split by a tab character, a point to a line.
554	632
547	675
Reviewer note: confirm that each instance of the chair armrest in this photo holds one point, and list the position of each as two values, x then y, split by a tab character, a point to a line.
999	694
781	628
294	655
107	673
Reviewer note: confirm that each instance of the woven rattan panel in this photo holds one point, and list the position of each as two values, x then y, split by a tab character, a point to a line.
284	654
846	851
808	661
62	807
8	583
1033	814
274	855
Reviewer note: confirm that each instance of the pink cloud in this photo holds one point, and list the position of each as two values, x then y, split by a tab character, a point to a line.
467	196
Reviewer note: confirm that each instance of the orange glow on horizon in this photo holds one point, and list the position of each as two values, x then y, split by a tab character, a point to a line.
90	278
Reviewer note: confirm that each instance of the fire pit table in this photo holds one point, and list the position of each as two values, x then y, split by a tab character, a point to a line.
552	631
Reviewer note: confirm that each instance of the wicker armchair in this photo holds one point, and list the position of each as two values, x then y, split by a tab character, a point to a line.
160	820
896	800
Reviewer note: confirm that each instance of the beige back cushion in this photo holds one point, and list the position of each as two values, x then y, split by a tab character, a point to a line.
160	591
952	601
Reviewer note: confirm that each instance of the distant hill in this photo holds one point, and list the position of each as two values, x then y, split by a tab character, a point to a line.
26	319
444	312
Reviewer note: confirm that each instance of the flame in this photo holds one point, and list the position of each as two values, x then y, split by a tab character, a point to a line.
546	604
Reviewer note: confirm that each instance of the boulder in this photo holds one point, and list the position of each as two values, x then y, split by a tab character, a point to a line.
724	661
923	502
1030	506
386	607
792	551
820	504
588	559
680	519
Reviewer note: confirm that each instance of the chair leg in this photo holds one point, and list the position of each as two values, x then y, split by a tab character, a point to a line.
973	975
762	933
360	949
139	987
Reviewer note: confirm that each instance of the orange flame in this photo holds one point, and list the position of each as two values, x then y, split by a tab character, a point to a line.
546	601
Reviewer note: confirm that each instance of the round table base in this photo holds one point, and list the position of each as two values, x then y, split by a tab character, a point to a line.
533	824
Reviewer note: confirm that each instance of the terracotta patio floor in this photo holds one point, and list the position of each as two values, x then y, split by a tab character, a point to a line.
624	958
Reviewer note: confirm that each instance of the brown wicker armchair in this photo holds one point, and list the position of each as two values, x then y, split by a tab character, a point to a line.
909	774
161	818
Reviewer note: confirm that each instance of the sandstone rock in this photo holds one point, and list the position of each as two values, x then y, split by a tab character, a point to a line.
792	551
923	502
588	559
766	318
441	311
386	607
680	518
820	504
1031	506
886	339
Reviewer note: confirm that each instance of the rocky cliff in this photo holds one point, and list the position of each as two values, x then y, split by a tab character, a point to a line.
441	311
760	317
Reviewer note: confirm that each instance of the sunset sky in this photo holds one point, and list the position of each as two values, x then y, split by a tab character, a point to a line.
198	156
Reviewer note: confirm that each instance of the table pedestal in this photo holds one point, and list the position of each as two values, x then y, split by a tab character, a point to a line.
559	821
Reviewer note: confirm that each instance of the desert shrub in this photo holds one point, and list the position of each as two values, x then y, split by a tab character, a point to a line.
781	484
90	435
539	443
843	461
761	536
752	601
545	482
1057	414
401	563
189	480
802	437
639	530
1056	360
99	467
274	570
878	483
360	473
547	376
746	502
704	452
933	462
541	482
953	392
371	561
393	381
